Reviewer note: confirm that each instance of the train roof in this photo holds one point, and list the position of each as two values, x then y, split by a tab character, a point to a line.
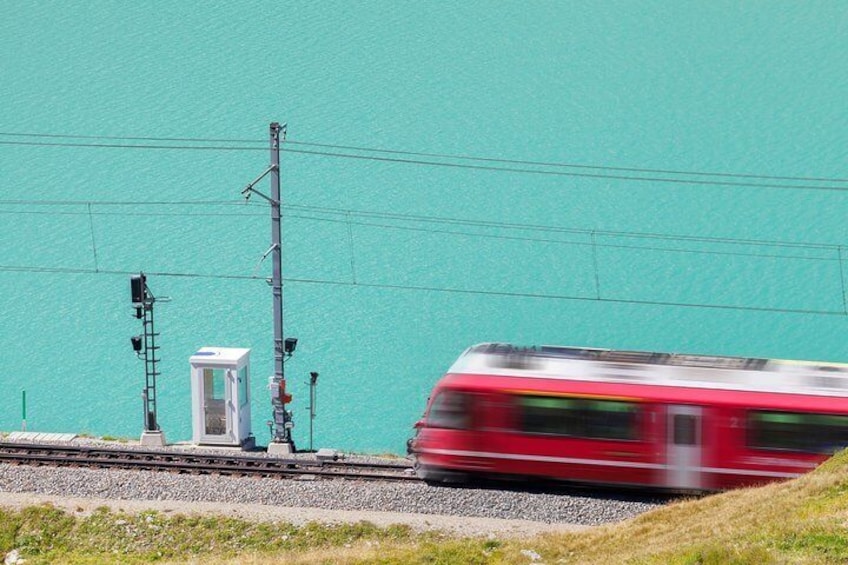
660	369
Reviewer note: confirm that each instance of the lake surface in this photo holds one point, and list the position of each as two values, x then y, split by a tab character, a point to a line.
596	219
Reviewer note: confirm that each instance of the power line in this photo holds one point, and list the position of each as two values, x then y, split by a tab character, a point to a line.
125	146
506	294
142	214
563	173
93	241
447	165
460	157
570	243
424	162
346	214
127	202
124	137
429	230
87	271
515	170
571	297
555	229
560	164
425	219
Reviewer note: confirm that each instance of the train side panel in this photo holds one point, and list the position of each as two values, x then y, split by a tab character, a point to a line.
522	448
613	436
497	437
732	457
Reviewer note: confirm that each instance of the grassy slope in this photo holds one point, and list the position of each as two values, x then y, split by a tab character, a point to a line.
800	521
803	520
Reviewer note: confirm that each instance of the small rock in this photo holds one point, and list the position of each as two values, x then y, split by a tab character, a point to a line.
531	554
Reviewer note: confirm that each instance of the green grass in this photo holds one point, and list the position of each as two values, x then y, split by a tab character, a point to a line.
44	534
800	521
115	438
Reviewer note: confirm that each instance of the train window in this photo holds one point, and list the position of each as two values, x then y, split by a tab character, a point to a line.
813	433
685	427
578	417
450	409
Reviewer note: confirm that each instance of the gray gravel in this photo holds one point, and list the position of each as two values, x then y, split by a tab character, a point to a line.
341	496
332	495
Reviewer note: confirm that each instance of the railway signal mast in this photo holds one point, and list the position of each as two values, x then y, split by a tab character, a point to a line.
282	423
145	345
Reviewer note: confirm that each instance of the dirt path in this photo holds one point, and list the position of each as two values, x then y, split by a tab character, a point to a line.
457	525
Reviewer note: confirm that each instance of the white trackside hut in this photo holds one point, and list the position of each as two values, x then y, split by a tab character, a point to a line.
220	396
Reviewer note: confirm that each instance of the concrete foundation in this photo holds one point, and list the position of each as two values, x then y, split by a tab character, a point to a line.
280	448
153	439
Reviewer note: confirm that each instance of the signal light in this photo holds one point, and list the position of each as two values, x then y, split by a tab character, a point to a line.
136	343
138	288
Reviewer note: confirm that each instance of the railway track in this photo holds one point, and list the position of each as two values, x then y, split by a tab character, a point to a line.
200	463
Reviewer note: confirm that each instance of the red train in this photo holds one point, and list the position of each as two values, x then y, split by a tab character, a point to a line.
665	420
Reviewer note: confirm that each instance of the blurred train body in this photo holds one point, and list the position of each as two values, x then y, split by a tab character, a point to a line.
628	418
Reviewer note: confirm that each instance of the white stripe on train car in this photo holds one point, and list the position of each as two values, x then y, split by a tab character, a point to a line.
750	472
543	458
625	464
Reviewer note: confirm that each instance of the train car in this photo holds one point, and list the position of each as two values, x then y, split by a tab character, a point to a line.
630	418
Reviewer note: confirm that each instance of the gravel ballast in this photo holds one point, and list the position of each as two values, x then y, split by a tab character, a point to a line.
421	506
468	511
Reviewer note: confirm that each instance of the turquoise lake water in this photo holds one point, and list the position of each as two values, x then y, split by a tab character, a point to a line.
393	268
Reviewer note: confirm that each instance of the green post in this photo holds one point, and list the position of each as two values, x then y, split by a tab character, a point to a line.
23	410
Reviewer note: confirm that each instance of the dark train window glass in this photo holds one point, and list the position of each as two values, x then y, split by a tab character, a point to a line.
813	433
685	429
450	409
578	417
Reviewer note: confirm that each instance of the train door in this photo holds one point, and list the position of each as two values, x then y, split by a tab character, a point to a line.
684	447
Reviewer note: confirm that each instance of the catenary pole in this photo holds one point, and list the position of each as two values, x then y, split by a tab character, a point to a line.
282	426
282	422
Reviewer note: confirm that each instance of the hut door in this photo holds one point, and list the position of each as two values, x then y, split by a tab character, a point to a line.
217	419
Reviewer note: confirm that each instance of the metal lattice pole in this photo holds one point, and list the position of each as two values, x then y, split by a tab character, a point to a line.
145	348
151	421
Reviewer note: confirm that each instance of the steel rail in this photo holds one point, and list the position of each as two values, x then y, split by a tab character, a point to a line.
199	463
